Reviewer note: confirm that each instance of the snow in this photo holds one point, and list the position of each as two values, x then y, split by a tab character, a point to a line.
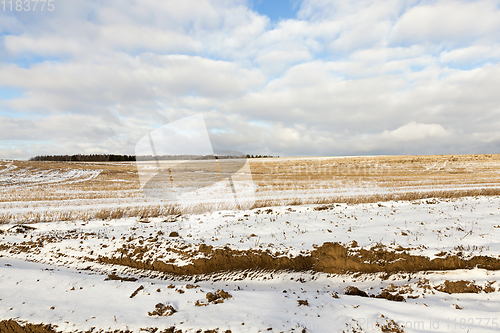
62	274
425	227
29	290
12	176
259	302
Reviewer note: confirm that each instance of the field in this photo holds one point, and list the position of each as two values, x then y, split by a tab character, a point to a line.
330	244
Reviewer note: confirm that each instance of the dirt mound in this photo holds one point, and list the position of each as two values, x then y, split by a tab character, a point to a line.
459	287
336	258
354	291
390	297
218	297
162	310
329	258
215	260
12	326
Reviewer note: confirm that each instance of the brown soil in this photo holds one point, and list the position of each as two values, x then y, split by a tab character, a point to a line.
459	287
136	291
354	291
217	297
389	326
391	297
303	302
162	310
12	326
115	277
329	258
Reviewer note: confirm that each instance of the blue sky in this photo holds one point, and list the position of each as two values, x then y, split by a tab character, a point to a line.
7	93
288	78
276	10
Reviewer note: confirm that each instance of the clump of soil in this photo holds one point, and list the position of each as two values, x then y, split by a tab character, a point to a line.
115	277
425	285
200	303
389	326
324	207
173	234
459	287
303	302
391	297
162	310
192	286
136	291
218	297
354	291
11	326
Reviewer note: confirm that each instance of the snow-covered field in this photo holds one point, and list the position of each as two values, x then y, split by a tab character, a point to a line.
9	176
420	265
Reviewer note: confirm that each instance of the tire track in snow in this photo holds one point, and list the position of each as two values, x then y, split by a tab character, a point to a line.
33	177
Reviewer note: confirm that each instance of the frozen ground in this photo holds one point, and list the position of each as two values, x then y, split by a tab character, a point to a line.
80	300
302	268
10	175
64	260
422	227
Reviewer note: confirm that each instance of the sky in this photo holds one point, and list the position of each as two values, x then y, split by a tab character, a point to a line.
287	78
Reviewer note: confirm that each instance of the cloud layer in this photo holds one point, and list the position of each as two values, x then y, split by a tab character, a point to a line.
342	78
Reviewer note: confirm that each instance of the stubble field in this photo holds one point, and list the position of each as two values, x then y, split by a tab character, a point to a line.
355	244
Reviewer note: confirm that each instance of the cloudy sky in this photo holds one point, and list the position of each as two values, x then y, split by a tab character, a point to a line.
288	78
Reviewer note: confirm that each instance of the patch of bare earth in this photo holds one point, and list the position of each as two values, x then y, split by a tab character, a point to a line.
328	258
12	326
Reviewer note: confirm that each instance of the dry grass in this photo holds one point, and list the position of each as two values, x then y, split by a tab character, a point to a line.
381	171
360	199
84	216
5	218
287	181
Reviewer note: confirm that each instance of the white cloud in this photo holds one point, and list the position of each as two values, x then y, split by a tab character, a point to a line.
449	22
46	46
276	61
345	77
414	131
473	55
84	86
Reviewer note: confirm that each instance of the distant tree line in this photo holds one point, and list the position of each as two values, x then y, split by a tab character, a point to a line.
131	158
259	156
85	158
199	157
188	157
